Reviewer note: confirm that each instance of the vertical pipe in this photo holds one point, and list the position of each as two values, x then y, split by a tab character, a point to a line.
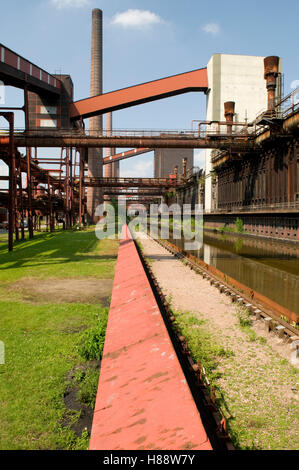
16	208
80	187
11	213
71	187
67	174
111	169
229	111
28	163
49	218
21	200
184	167
108	151
270	75
60	170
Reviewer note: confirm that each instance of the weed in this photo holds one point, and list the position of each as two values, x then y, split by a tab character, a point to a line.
88	387
262	340
91	342
256	421
243	316
239	225
202	344
82	442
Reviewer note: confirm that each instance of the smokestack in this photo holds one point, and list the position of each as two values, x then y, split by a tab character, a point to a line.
95	156
270	75
229	111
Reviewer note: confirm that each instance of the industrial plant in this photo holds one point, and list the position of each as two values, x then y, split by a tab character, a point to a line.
159	387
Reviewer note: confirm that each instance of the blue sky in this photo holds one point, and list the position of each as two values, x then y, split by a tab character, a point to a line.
146	40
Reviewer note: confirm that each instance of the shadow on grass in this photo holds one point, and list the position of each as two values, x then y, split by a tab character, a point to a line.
52	248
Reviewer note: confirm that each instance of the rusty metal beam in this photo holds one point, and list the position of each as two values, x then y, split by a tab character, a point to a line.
235	143
196	80
19	72
162	183
9	116
123	155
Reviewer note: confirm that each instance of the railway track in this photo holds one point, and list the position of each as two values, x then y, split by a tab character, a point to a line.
203	392
239	294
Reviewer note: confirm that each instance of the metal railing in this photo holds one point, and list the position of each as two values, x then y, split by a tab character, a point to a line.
255	207
289	104
216	129
205	129
283	108
149	182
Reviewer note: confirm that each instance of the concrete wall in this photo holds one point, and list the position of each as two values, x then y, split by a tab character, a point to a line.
237	78
166	159
270	225
45	111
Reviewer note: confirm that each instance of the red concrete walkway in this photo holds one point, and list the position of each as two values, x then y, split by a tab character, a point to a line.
143	400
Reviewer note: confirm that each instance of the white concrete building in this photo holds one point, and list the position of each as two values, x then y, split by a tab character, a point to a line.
238	78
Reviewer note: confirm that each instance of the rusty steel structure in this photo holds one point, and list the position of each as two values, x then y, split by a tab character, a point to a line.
229	111
138	139
162	183
271	74
196	80
250	170
123	155
262	187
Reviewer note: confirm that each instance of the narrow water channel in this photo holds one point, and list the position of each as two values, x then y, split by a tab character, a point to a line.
271	268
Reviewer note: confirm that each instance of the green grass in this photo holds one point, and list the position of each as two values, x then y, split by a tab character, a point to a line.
248	389
88	387
60	255
203	345
43	341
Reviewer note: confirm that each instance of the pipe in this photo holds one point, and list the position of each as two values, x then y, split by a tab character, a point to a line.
270	75
184	166
109	151
229	111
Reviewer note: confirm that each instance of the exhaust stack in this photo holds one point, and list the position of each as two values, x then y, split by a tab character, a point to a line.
229	111
270	75
95	156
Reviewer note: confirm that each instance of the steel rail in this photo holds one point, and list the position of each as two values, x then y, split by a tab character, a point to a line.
261	302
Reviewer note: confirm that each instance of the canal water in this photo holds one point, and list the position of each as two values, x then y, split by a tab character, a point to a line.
269	267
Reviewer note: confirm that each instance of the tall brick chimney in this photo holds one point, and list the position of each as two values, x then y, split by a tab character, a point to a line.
95	155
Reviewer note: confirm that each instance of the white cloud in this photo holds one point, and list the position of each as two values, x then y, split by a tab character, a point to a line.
211	28
59	4
136	18
199	158
141	169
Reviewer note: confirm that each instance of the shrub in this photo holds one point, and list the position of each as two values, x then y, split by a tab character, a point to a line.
239	225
